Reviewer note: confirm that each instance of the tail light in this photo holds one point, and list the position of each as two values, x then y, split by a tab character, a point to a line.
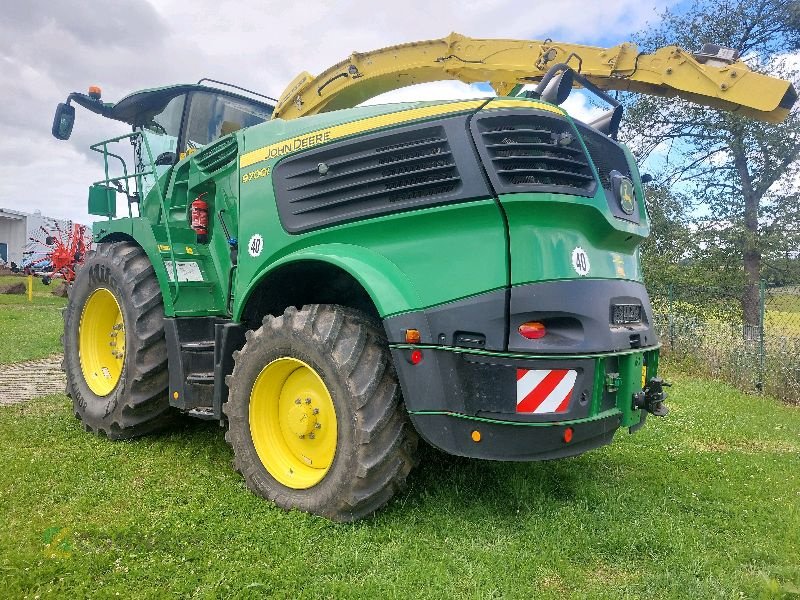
532	330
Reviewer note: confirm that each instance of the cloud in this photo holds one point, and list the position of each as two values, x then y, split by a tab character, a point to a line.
48	49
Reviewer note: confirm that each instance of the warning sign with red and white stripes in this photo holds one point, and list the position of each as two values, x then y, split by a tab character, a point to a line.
542	391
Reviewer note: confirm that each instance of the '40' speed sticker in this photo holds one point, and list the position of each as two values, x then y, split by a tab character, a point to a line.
580	261
255	245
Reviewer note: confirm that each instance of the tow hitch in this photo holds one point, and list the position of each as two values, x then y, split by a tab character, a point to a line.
652	397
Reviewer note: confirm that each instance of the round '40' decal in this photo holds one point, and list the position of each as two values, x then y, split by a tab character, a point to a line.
580	261
255	245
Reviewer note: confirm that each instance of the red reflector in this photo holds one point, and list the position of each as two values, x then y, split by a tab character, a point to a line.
416	357
568	435
532	330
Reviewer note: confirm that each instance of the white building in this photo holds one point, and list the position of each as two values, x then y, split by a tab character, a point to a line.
16	229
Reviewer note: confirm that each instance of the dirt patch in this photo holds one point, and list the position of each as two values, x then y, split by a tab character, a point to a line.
13	288
24	381
60	290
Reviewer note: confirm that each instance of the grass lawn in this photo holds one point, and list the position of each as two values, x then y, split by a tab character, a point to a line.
703	504
29	330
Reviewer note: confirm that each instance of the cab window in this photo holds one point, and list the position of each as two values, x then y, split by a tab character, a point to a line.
212	116
163	128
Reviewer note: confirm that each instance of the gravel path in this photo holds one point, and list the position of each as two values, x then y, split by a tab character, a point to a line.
24	381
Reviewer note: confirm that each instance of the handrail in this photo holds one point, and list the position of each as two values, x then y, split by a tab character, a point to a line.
139	175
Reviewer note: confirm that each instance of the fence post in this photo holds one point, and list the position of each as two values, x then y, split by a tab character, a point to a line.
761	325
670	319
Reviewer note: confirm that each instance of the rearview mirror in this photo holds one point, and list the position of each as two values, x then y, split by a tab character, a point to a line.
63	121
558	89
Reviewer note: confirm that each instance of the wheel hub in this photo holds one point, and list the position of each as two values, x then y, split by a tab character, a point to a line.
101	342
301	419
293	423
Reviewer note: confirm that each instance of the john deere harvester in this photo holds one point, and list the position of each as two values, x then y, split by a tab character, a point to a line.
330	281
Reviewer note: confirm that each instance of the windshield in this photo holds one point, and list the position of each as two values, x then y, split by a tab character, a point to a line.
213	115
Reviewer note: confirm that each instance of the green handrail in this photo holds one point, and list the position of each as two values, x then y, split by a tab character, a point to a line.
139	175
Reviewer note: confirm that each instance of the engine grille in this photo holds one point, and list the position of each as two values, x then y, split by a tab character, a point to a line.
401	171
606	155
532	152
387	172
217	155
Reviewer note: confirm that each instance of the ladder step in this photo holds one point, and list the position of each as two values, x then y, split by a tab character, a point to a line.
204	345
201	413
204	378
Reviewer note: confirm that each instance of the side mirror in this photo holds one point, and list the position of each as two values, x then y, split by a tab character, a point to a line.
63	121
558	89
646	178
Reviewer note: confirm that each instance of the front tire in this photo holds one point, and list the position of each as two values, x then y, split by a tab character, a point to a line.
115	354
315	416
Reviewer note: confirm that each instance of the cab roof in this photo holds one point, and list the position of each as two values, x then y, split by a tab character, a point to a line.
136	108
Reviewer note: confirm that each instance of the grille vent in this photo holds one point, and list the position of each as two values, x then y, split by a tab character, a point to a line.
406	170
386	172
606	155
537	153
217	155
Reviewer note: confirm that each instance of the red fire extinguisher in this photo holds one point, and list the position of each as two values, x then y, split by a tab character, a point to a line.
199	218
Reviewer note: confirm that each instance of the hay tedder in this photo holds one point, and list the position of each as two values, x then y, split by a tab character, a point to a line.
331	281
56	253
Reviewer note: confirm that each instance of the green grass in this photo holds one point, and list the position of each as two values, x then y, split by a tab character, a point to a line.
703	504
29	330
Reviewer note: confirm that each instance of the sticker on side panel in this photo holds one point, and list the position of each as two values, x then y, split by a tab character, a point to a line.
580	261
255	245
186	270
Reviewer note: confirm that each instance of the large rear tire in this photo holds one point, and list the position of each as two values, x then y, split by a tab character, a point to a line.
315	416
115	354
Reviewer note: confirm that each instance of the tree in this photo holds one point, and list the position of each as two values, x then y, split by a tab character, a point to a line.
740	176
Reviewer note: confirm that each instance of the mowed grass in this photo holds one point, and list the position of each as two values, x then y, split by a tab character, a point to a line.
783	313
29	330
702	504
787	300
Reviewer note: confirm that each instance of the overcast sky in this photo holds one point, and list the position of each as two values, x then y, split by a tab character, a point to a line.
48	49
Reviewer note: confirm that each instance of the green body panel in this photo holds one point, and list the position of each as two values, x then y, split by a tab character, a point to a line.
189	297
545	228
102	201
407	261
404	261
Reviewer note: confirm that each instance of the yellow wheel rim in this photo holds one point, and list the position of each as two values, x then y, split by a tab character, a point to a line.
101	342
293	423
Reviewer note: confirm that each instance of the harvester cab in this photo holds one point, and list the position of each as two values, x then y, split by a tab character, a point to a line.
170	122
466	271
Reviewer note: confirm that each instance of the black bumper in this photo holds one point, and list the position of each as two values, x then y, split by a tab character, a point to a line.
513	442
576	312
463	375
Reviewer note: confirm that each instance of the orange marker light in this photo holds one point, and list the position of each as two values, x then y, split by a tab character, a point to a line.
532	330
413	336
175	395
95	92
568	435
476	436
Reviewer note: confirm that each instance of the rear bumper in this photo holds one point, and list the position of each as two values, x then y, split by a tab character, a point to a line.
475	372
450	393
507	441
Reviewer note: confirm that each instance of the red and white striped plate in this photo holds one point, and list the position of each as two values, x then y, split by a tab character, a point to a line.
541	391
